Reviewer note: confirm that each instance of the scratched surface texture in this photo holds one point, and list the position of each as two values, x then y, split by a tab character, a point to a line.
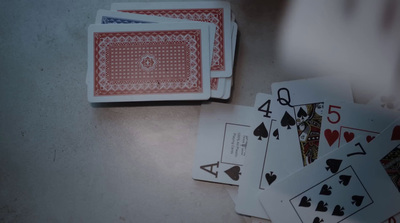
65	160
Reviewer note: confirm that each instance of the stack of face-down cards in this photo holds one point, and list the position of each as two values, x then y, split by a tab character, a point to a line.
306	153
161	51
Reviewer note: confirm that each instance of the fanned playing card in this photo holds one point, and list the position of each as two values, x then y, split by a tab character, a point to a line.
299	111
357	183
254	177
222	139
297	108
148	62
343	122
216	12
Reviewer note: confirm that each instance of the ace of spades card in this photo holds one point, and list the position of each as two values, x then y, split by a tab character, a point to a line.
343	122
357	183
222	139
253	180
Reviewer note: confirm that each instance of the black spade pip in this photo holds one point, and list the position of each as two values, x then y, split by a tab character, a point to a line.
233	172
261	131
287	120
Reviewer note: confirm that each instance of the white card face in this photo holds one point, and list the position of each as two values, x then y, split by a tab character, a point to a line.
343	185
253	179
343	122
217	12
297	108
125	74
222	139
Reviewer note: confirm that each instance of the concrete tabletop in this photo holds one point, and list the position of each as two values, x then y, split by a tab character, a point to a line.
65	160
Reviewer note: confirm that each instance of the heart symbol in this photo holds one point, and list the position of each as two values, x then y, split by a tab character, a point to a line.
331	136
396	133
348	136
370	138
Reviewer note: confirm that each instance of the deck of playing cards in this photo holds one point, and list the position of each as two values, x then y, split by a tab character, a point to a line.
306	153
163	51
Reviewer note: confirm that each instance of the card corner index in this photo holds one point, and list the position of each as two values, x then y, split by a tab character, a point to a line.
208	168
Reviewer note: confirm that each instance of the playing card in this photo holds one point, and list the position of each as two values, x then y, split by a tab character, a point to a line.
299	112
340	125
297	108
254	177
356	183
229	82
113	17
217	87
221	142
148	62
217	12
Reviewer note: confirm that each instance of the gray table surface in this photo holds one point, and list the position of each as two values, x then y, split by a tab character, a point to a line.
65	160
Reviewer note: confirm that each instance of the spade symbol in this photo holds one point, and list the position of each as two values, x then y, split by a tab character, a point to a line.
344	179
233	172
357	200
318	220
301	114
333	165
287	121
305	202
326	190
338	210
261	131
321	206
270	177
276	134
